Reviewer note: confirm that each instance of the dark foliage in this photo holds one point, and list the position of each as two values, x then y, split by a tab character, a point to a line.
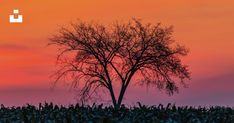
49	113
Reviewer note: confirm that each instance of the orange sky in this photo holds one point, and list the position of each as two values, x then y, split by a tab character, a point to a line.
205	27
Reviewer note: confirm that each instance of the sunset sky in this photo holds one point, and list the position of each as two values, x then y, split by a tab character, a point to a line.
205	27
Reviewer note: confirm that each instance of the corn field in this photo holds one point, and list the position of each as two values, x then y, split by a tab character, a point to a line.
50	113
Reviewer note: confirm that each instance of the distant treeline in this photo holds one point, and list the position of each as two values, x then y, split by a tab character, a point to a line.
50	113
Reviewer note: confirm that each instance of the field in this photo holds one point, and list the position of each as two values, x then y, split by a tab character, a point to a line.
50	113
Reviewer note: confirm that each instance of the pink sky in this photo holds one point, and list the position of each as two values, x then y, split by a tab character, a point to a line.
205	27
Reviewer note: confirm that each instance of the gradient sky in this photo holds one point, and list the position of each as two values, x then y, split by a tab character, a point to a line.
205	27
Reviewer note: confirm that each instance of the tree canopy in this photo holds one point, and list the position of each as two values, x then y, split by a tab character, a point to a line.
98	55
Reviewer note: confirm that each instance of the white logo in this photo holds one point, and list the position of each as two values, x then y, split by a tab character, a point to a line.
18	19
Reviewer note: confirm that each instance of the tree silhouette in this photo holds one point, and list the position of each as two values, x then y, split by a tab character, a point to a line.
98	55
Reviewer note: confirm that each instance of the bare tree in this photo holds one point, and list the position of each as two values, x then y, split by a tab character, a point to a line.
99	56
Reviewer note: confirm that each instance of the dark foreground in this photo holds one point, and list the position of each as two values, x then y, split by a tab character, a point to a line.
49	113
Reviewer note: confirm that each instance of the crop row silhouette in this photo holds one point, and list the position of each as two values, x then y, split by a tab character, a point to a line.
50	113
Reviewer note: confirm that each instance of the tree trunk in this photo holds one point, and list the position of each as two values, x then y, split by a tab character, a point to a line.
123	89
121	95
112	96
